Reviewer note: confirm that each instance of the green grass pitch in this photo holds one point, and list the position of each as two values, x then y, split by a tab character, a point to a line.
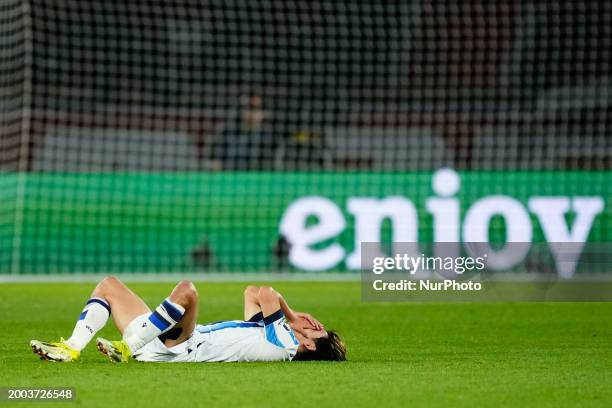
400	354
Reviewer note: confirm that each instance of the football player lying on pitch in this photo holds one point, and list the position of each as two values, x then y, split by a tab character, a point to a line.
271	331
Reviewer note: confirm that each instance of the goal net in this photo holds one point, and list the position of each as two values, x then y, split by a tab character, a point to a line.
196	136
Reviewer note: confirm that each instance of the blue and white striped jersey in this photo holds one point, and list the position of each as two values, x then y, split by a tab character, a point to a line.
268	339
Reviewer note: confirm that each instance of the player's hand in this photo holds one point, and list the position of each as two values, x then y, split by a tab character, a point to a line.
312	322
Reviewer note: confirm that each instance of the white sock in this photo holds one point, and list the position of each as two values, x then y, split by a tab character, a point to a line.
162	319
93	317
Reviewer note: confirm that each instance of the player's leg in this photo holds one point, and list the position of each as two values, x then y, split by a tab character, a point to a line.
124	303
142	330
185	294
109	294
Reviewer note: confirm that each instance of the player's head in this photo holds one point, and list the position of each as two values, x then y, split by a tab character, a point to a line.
319	345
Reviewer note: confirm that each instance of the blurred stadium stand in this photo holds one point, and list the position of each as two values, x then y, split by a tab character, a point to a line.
538	73
150	135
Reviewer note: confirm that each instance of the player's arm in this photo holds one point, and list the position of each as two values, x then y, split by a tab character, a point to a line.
277	317
270	302
252	310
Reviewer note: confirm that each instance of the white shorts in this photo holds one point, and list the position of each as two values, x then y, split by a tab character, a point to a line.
156	350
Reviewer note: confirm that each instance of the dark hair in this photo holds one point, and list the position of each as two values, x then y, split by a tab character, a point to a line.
330	348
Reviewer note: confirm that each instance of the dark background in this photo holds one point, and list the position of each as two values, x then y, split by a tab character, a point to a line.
482	85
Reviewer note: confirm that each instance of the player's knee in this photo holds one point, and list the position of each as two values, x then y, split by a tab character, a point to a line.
111	280
185	294
251	290
187	289
107	285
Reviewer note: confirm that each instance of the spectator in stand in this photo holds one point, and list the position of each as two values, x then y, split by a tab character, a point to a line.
246	142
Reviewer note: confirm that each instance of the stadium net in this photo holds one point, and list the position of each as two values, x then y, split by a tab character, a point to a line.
172	136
